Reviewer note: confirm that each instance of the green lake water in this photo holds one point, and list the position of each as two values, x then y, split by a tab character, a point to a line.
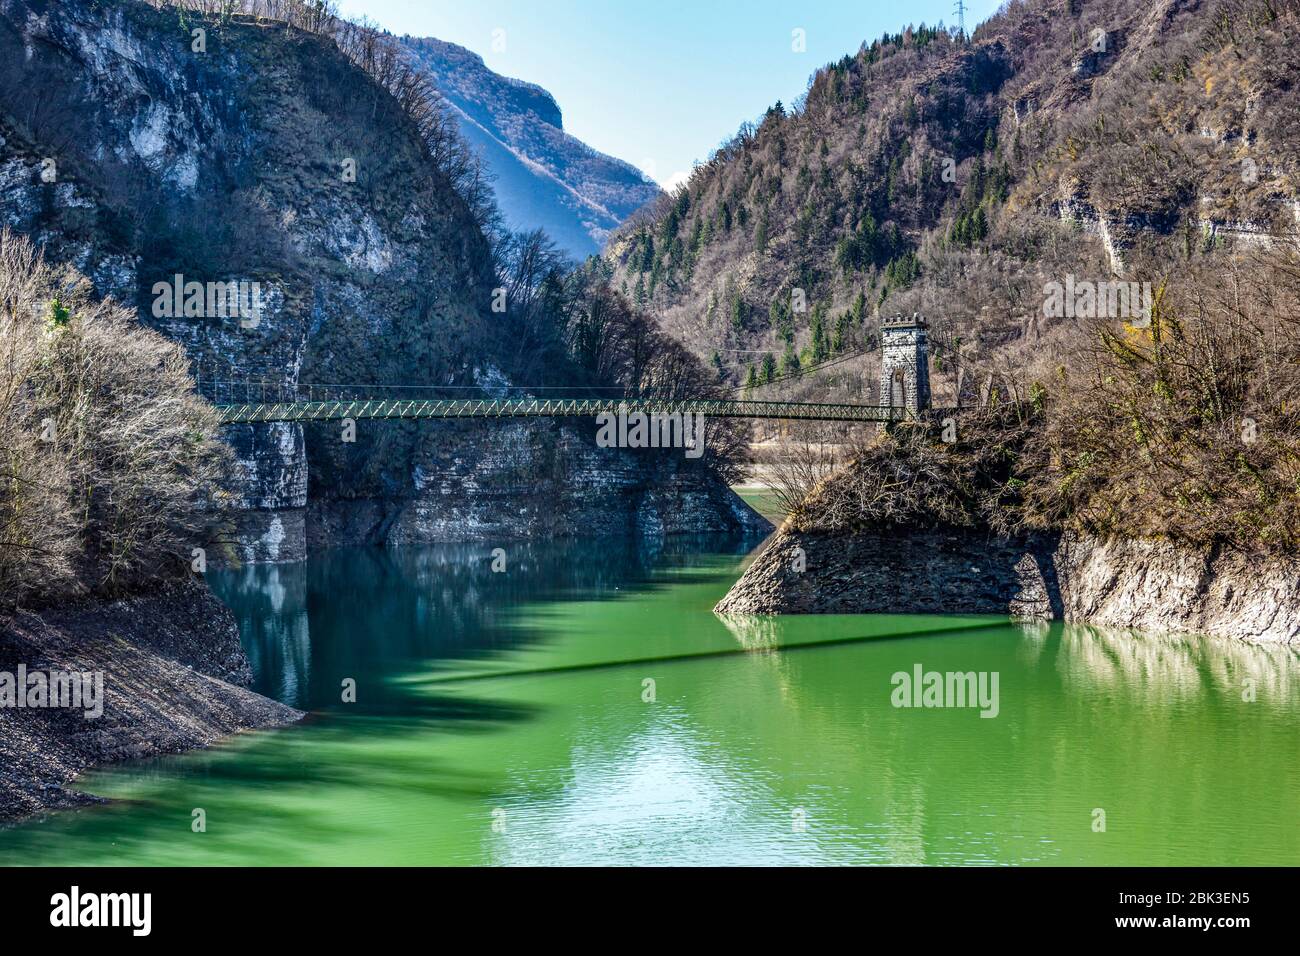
763	500
509	718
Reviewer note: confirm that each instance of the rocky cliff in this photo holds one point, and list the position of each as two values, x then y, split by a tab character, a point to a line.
163	148
1146	585
517	481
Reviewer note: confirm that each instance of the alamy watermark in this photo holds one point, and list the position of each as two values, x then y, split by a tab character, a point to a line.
236	299
652	430
133	911
36	689
922	688
1107	299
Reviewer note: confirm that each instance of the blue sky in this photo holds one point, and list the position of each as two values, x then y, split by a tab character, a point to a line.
660	83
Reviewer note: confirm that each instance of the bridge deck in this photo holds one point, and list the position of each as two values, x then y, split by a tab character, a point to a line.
310	411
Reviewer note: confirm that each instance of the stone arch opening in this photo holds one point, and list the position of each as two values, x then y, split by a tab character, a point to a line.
898	388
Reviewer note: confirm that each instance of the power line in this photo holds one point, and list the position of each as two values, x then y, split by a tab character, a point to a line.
809	370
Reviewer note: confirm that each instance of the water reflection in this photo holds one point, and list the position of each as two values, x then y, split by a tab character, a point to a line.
1169	667
504	717
274	626
365	613
752	632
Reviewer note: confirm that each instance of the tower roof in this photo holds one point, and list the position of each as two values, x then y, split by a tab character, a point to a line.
917	321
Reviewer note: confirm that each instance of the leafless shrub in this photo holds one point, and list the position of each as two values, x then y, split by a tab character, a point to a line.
807	458
912	477
1189	428
38	524
112	467
312	15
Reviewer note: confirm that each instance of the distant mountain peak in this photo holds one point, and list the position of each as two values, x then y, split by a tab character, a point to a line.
464	69
543	177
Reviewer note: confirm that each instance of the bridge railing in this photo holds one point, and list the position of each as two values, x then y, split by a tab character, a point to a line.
252	402
262	392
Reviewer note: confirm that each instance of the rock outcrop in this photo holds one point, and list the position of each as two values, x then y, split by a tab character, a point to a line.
1144	585
538	481
172	676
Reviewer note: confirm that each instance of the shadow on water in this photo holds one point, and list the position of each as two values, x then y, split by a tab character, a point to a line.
1186	743
366	614
374	617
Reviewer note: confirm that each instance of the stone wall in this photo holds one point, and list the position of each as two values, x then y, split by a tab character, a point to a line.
905	350
510	480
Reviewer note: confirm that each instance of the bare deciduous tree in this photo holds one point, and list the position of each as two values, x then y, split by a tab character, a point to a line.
112	467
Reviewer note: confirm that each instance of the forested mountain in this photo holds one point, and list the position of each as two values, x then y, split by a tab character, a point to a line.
1097	139
543	177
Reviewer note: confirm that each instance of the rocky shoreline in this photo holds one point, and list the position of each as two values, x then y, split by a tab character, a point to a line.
1138	584
173	676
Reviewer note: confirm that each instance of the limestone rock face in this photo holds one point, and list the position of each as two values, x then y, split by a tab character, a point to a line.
1144	585
542	176
516	480
1159	586
268	159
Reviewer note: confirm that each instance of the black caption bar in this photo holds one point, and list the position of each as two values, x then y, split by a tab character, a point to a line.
337	905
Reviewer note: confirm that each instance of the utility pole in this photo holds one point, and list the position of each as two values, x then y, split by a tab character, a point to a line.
960	10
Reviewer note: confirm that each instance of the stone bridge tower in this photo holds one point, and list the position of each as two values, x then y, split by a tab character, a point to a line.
905	363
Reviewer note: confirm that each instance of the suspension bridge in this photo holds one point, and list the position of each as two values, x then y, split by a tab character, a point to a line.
905	391
253	403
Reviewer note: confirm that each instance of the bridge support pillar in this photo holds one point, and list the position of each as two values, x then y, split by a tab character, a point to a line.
905	363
